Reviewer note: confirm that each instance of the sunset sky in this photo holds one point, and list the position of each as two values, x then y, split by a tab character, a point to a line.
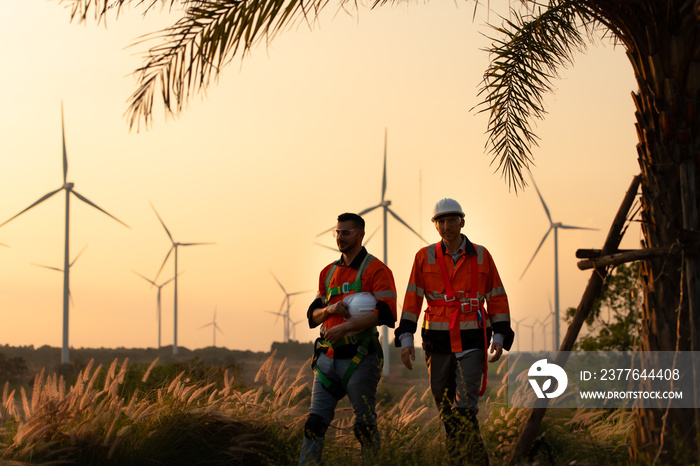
264	161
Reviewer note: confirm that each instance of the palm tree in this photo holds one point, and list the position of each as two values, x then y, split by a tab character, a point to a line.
662	42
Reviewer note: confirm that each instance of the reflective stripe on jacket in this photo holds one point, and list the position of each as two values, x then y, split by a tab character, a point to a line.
426	282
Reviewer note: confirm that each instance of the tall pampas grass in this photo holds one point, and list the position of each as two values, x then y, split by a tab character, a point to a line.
94	422
210	417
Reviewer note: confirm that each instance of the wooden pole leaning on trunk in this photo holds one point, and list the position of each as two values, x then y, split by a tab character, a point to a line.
593	290
627	256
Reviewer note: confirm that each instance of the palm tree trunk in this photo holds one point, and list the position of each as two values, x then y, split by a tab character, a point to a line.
665	53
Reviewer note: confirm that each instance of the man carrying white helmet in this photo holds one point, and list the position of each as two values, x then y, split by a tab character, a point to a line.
355	294
467	305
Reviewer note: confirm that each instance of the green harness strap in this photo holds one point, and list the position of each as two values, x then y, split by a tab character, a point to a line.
346	287
365	337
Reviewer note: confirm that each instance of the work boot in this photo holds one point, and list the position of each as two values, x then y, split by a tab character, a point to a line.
473	451
452	439
311	450
370	442
464	444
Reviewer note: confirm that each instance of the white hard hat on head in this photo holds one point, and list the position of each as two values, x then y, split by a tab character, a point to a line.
447	206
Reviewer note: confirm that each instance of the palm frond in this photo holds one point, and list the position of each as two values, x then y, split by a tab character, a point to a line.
80	9
524	60
211	33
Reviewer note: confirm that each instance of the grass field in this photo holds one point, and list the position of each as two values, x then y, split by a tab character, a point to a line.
137	413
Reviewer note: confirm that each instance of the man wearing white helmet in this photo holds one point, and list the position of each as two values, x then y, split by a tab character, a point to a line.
355	294
467	305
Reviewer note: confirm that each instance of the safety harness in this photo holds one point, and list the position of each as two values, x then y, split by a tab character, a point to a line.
346	287
471	304
363	339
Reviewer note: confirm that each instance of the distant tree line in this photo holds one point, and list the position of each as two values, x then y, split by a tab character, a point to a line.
13	370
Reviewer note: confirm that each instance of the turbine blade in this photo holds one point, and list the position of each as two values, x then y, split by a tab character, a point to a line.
298	292
327	247
194	244
384	172
278	314
536	251
48	267
89	202
63	139
162	223
3	244
278	282
366	211
168	281
406	225
76	257
166	260
570	227
549	216
42	199
147	279
370	236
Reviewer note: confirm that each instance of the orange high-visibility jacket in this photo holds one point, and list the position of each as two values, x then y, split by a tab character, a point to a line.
376	278
466	332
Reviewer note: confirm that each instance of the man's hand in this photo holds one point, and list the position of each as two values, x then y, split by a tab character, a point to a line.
337	333
408	354
340	308
496	351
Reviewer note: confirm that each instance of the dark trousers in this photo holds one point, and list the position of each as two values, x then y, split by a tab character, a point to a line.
455	383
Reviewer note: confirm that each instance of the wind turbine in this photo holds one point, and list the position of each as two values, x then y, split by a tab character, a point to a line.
68	188
294	327
517	330
214	327
160	287
285	312
174	247
544	332
553	226
386	210
534	324
61	270
532	338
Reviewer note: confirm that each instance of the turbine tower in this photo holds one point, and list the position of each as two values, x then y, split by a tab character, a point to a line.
552	226
68	188
285	312
214	327
386	210
174	247
517	331
160	287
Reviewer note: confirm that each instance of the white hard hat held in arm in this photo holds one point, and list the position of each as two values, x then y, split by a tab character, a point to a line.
360	304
